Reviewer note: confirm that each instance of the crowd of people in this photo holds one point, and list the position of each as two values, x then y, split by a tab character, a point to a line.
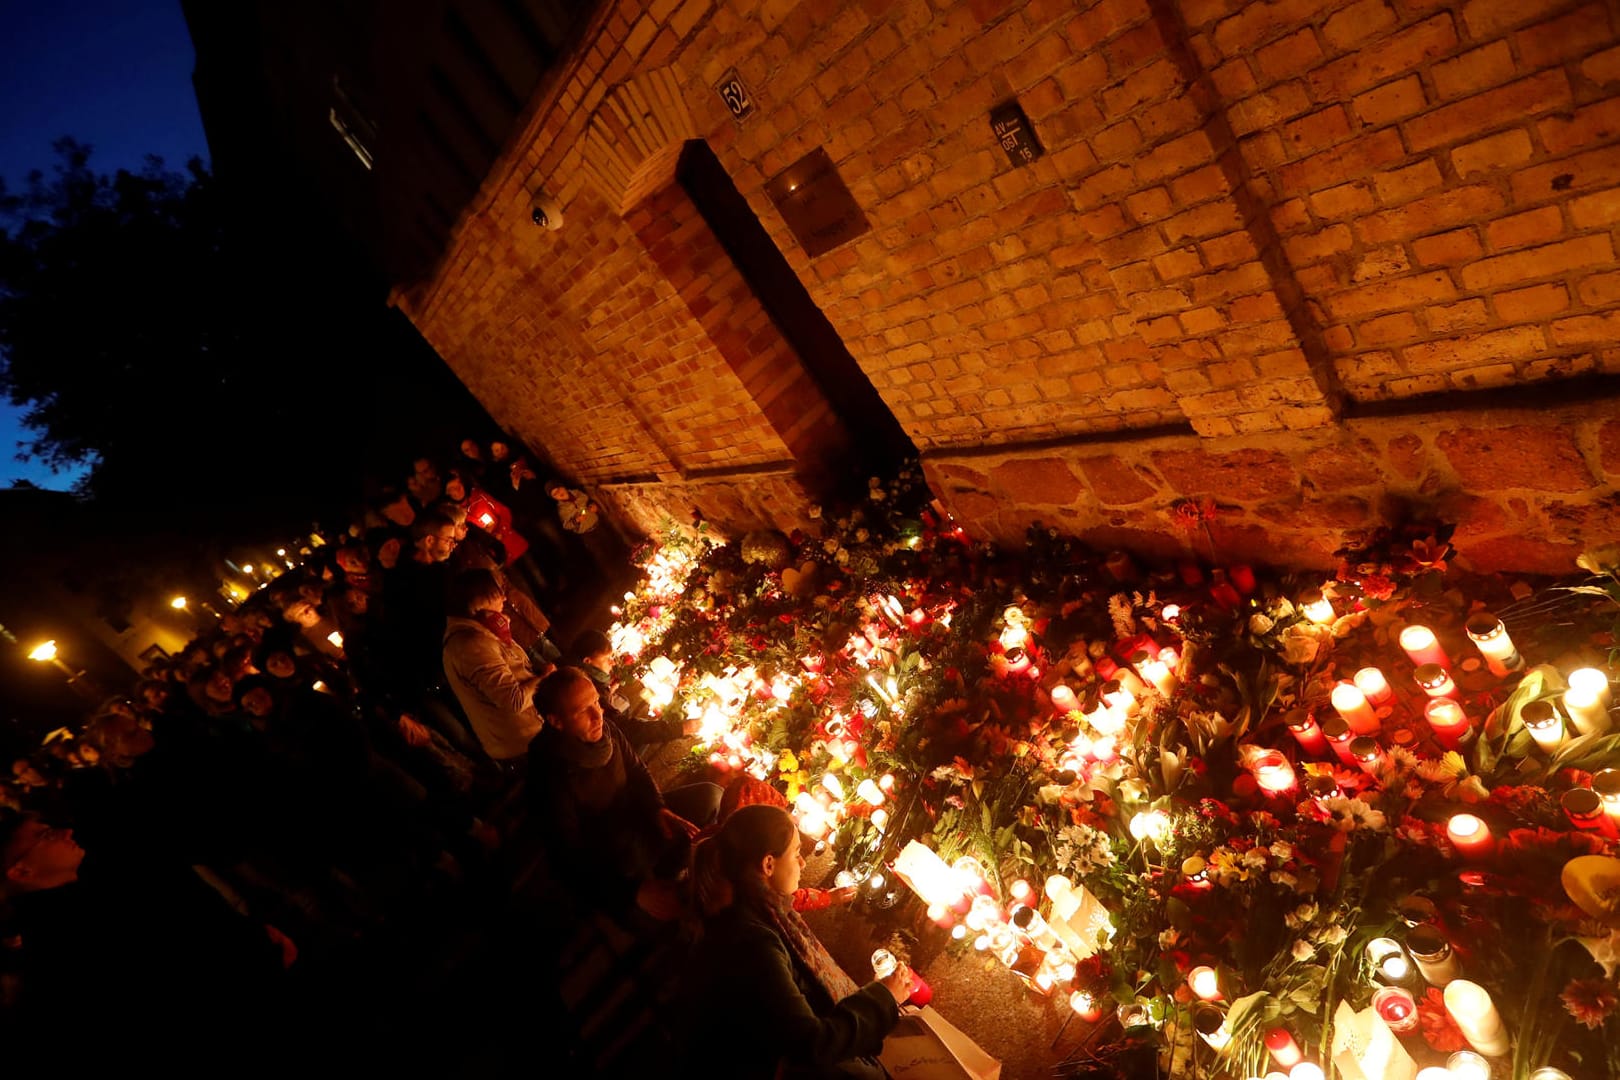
352	755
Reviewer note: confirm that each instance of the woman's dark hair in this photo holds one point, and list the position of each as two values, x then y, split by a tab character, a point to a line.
471	589
726	866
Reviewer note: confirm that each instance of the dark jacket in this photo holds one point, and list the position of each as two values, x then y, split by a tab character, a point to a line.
755	1007
603	825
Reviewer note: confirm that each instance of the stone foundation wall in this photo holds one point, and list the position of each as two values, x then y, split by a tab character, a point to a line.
1279	248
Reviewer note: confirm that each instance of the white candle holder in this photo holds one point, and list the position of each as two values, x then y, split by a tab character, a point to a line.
1491	638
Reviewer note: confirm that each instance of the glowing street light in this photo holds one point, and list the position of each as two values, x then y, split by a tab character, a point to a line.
45	653
282	552
247	568
178	603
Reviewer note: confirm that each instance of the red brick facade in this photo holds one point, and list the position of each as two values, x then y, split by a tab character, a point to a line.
1259	232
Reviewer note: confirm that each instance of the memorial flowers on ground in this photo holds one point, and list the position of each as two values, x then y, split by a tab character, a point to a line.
1155	788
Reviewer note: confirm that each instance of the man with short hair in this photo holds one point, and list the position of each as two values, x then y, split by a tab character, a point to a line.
613	834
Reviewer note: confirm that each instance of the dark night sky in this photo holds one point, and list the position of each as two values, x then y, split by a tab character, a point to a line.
113	73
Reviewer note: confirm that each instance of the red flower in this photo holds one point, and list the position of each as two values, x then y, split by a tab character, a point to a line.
1591	1001
1440	1031
1377	587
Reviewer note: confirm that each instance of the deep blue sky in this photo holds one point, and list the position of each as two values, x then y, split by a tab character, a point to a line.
113	73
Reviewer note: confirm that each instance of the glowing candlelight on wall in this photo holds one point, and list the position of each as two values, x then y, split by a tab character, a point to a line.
1423	647
1203	981
1544	724
1448	721
1351	704
1470	835
1470	1005
1491	638
1302	726
1371	682
1586	710
1596	680
1317	608
1434	680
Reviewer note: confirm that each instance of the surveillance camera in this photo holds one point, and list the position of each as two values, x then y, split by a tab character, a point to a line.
544	212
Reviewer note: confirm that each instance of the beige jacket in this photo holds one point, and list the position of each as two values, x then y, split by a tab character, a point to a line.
495	686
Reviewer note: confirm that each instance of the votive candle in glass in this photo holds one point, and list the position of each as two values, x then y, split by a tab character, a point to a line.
1595	678
1488	634
1388	961
1371	682
1586	710
1119	698
1544	724
1302	726
1064	699
1351	704
1306	1070
1606	782
1435	680
1584	808
1203	981
1397	1008
1336	730
1273	772
1432	953
1470	836
1548	1072
1467	1065
1423	647
1317	608
1157	672
1434	1072
1210	1023
1282	1047
1470	1005
1366	752
1448	722
1322	788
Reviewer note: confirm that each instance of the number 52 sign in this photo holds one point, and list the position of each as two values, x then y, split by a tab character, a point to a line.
734	92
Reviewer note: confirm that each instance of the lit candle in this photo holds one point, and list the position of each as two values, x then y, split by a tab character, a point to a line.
1584	808
1106	720
1019	889
1158	673
1432	953
1366	752
1338	735
1586	710
1471	1007
1491	638
1317	608
1306	1070
1448	722
1547	1072
1423	647
868	791
1435	680
1273	772
1397	1008
1064	699
1470	835
1606	782
1210	1023
1302	726
1150	825
1371	682
1089	1010
1388	960
1467	1065
1544	724
1322	788
1594	678
1196	872
1282	1047
1351	704
1119	699
1434	1072
1203	981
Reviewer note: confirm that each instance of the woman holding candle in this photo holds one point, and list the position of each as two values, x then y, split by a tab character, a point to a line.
770	1000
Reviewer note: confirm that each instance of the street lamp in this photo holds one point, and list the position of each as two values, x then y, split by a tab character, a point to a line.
178	603
45	652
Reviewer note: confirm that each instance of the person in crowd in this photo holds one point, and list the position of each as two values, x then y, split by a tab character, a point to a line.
790	1010
488	671
592	653
395	508
578	512
424	485
609	829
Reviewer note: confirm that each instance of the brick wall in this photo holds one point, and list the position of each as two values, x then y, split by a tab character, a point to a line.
1264	235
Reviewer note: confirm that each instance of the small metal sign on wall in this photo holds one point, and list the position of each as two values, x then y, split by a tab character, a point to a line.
734	92
816	205
1012	131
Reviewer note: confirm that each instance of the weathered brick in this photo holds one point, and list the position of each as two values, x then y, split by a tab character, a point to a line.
1345	161
1485	17
1398	185
1448	248
1603	68
1534	458
1291	55
1597	211
1470	349
1320	129
1567	36
1548	90
1501	151
1595	168
1390	295
1392	101
1473	71
1389	57
1387	329
1357	23
1346	200
1538	301
1531	227
1538	262
1435	212
1588	126
1447	318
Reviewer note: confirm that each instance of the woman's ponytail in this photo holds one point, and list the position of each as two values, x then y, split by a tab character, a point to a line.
727	864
